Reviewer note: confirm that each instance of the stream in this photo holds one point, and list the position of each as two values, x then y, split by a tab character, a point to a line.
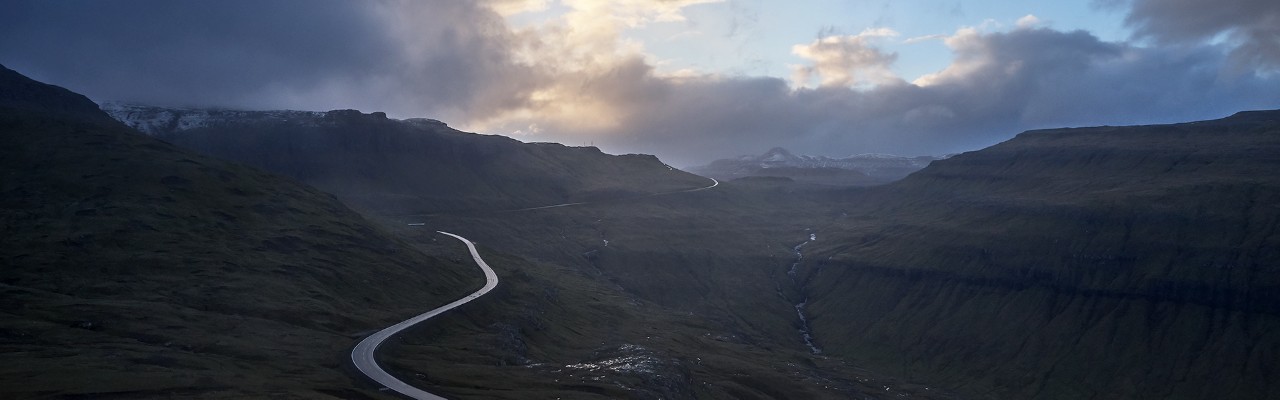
805	332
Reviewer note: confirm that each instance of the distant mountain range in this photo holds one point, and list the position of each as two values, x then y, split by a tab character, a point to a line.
860	169
412	166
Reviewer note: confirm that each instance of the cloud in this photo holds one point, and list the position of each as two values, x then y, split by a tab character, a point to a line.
998	84
633	13
925	38
575	78
849	60
1029	21
448	58
590	74
1252	27
513	7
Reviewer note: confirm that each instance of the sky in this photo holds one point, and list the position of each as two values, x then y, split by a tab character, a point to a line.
687	80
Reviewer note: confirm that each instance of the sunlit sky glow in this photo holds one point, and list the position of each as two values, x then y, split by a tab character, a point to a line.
688	80
755	38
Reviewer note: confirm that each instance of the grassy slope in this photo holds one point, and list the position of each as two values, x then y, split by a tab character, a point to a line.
135	269
1134	262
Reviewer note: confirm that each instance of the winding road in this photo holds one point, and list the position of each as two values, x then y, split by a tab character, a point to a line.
363	354
714	183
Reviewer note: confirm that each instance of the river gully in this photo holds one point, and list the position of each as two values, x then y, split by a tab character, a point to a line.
805	333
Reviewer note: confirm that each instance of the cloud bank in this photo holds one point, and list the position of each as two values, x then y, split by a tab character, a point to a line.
1251	27
445	57
576	79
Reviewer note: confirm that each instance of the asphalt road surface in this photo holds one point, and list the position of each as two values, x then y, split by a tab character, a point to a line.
363	354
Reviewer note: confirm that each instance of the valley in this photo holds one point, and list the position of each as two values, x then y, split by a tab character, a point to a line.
231	254
923	280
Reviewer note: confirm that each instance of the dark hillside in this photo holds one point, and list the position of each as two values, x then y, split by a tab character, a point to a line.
134	269
1111	262
25	95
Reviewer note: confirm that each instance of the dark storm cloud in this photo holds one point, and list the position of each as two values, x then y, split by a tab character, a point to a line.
175	51
403	57
1253	26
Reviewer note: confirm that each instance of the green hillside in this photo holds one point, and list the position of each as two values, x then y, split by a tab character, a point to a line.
1110	262
135	269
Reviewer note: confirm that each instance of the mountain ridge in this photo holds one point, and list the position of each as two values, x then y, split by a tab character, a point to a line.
413	166
1097	252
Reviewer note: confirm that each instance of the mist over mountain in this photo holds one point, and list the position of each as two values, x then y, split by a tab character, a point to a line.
858	170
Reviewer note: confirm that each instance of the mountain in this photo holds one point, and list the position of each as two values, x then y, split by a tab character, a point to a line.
1108	262
135	269
860	170
413	166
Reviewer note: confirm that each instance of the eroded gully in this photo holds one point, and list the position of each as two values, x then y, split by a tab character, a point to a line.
805	333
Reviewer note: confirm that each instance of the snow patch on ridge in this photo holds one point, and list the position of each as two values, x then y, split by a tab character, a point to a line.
156	121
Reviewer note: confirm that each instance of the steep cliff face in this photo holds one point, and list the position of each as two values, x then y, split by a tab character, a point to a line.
1131	262
413	166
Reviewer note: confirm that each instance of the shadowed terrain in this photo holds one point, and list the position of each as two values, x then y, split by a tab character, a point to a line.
1133	262
136	269
413	166
1109	262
